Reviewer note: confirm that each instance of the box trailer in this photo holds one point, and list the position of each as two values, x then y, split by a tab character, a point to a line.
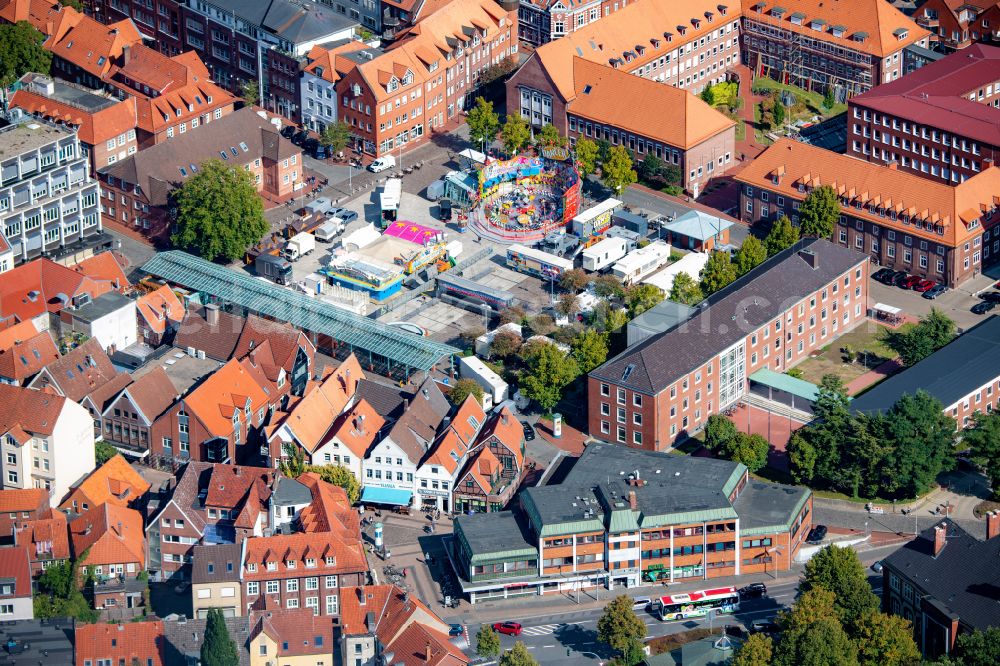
392	191
604	253
318	206
493	386
274	268
329	230
299	245
642	262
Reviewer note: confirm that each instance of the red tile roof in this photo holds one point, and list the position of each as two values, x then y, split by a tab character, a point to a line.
28	411
112	535
357	428
27	499
79	373
152	393
506	428
93	127
297	632
284	340
44	15
330	510
15	563
159	307
349	556
42	286
938	94
104	267
27	357
115	482
218	340
93	46
120	643
228	390
240	488
46	538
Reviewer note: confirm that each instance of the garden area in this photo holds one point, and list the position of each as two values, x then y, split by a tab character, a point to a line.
725	98
849	356
771	115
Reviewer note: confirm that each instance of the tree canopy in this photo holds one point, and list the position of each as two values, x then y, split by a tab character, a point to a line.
586	156
463	388
642	297
339	476
21	46
751	254
336	136
819	212
885	640
103	452
218	648
549	370
983	439
574	279
487	641
619	627
219	213
549	136
250	92
483	122
608	286
686	290
505	343
933	331
757	650
782	236
840	571
517	656
617	171
590	349
978	648
515	134
723	438
719	271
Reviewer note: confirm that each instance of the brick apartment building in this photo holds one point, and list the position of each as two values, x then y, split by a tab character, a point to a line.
957	24
626	517
301	571
397	96
137	189
541	21
19	506
668	385
851	46
941	121
901	220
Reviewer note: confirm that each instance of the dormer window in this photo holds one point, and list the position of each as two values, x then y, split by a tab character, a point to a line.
722	9
291	564
330	560
252	567
319	72
393	84
408	78
310	562
272	566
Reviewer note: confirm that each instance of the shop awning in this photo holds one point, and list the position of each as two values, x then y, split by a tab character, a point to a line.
372	495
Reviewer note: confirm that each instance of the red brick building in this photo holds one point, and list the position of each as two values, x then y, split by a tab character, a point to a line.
47	540
901	220
957	24
128	415
667	386
110	539
18	506
941	121
130	643
541	21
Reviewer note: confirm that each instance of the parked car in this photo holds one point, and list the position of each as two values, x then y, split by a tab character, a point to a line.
319	151
909	282
764	627
935	291
877	566
816	534
346	216
456	630
897	278
924	286
509	628
529	432
641	603
300	137
990	296
753	591
982	307
883	275
288	131
382	163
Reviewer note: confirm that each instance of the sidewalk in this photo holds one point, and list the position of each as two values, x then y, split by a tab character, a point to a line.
877	374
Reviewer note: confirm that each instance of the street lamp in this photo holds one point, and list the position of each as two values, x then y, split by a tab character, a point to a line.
767	554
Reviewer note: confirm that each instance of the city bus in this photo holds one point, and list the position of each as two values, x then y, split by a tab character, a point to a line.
696	604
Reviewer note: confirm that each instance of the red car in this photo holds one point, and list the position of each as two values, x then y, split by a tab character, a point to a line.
923	285
910	281
509	628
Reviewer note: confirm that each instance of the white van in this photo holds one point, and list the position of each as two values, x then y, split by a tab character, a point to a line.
382	163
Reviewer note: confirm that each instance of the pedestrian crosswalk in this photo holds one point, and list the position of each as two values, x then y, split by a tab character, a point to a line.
540	630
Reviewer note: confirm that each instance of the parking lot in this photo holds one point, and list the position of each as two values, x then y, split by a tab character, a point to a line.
955	303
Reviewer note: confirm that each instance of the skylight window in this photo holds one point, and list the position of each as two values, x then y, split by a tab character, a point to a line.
245	147
224	155
183	172
233	149
193	168
628	371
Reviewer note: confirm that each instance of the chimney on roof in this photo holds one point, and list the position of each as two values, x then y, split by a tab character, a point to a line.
988	163
126	54
212	314
894	165
236	471
427	653
119	528
992	524
810	258
940	538
632	502
406	404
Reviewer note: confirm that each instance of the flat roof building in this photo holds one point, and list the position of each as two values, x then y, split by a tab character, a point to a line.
624	516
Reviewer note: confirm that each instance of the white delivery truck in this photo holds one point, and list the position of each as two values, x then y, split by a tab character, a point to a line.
494	388
604	253
392	191
299	245
327	231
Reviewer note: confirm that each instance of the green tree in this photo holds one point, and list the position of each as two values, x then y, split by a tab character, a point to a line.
979	648
781	237
574	280
586	156
515	134
619	627
608	318
336	136
757	650
515	314
549	136
983	439
823	643
463	388
603	150
718	272
801	458
617	171
708	95
21	46
75	4
549	371
828	98
293	462
819	212
59	594
811	606
487	642
840	571
483	123
719	432
778	113
103	452
608	286
542	324
650	167
672	174
517	656
885	640
568	304
218	648
751	254
590	349
250	92
933	331
686	289
58	579
642	297
505	343
219	213
751	450
922	442
339	476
